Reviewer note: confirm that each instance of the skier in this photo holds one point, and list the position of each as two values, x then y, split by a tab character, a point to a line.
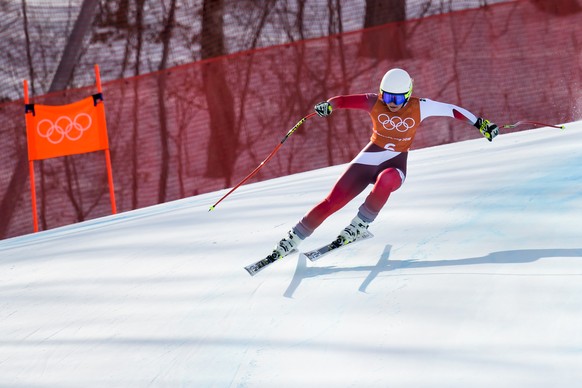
395	119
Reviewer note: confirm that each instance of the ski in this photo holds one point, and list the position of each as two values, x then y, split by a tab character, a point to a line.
255	268
317	254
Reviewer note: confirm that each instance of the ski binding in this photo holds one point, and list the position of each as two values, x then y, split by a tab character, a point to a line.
255	268
317	254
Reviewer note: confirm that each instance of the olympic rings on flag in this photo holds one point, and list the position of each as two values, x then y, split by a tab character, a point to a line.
64	127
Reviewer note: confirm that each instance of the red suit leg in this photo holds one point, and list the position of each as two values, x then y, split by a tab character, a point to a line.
388	181
354	180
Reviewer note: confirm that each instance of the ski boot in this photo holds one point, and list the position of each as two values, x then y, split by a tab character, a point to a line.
286	245
352	231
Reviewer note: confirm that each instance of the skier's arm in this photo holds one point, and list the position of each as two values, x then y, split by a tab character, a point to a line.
429	108
354	101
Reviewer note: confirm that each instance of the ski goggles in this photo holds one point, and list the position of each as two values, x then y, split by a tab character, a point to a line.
395	98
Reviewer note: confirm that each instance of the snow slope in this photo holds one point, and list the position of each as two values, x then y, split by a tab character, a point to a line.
474	279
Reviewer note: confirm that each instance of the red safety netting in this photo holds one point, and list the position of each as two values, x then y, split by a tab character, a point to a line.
204	126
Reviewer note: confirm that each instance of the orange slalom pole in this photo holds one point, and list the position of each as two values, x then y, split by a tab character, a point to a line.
252	174
26	92
107	152
110	180
31	173
97	78
33	195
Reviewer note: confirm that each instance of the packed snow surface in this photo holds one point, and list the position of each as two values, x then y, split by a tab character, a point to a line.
473	279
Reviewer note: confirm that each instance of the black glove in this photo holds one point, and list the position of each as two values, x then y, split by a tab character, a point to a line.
323	108
487	128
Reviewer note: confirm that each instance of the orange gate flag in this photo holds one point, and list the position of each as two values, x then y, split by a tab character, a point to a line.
76	128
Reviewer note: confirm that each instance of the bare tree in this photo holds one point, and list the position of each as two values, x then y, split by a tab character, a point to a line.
139	31
223	138
119	20
560	8
74	46
166	36
380	12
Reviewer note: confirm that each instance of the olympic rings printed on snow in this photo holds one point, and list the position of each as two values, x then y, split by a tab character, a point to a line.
390	123
64	127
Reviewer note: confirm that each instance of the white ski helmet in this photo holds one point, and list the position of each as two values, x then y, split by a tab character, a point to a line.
396	81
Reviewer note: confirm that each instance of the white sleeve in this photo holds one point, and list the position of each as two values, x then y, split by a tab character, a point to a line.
430	108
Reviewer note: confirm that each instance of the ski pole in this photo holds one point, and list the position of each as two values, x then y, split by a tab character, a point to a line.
264	161
535	123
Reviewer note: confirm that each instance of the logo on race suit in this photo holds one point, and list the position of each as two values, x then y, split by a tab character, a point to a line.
396	123
64	127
